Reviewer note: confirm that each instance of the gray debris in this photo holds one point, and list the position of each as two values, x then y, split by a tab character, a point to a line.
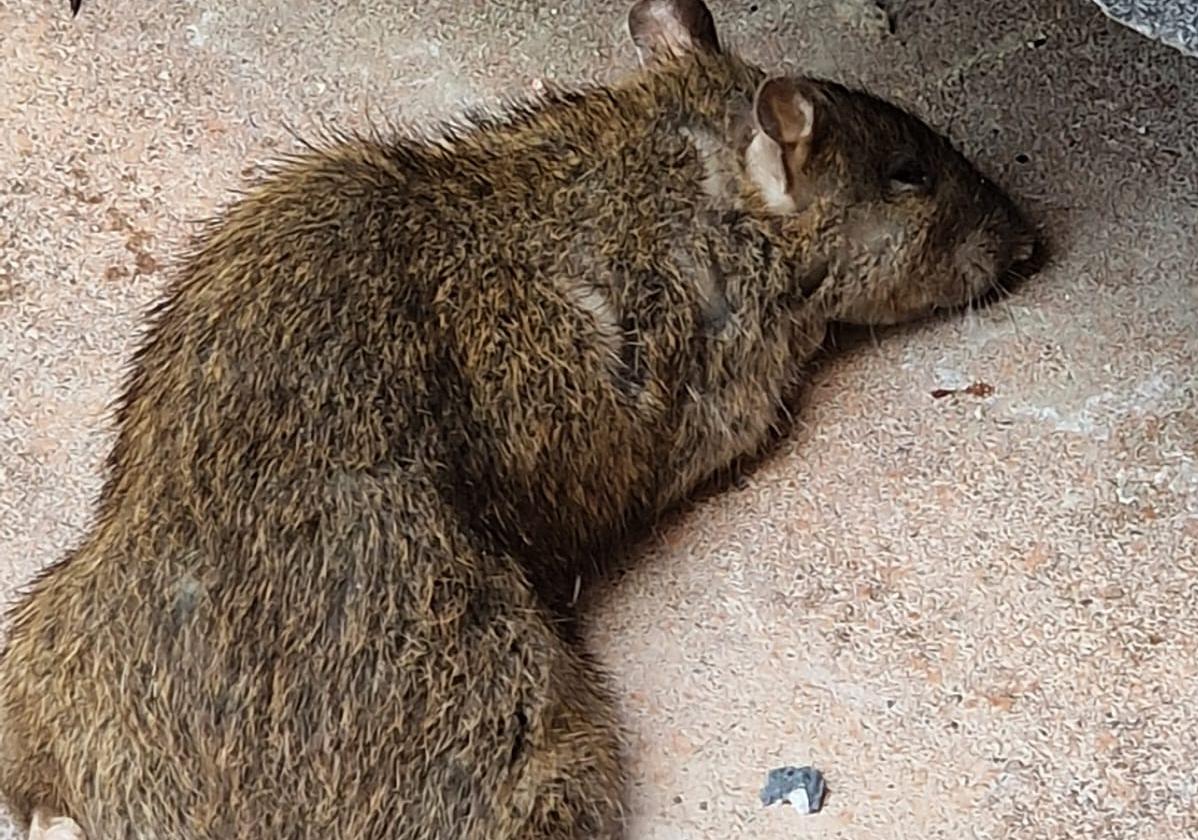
802	787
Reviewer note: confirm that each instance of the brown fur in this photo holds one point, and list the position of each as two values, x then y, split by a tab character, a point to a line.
401	396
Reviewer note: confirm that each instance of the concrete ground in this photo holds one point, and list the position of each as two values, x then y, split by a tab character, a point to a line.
978	615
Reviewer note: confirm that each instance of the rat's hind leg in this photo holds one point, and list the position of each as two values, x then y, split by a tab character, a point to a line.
30	779
572	785
46	827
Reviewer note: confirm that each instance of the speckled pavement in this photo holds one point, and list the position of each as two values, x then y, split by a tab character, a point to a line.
978	615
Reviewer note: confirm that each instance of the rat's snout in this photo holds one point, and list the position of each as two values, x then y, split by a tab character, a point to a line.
1004	250
1024	248
997	253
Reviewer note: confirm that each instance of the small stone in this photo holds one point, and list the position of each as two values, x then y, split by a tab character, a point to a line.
802	787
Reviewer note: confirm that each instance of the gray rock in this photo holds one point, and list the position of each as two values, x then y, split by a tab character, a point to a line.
802	787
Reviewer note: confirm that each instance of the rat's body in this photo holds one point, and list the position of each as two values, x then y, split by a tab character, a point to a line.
398	399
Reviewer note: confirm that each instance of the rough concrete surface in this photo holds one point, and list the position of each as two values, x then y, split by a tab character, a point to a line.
977	615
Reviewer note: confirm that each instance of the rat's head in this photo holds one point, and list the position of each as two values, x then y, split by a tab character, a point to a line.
914	226
906	224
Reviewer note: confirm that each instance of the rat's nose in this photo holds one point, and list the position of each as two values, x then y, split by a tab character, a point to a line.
1023	243
1023	251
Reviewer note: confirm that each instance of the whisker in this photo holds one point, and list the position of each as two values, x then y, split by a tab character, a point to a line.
831	338
1010	312
970	309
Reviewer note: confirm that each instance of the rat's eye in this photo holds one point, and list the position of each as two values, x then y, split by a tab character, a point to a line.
909	176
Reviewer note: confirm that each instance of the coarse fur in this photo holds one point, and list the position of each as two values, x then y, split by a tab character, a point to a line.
403	394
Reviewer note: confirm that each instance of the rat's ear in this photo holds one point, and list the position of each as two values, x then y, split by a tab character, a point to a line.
784	112
784	119
664	29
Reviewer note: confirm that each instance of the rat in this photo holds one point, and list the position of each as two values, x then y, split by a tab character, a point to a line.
404	392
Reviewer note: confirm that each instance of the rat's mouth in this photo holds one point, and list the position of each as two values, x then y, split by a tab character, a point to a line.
1028	255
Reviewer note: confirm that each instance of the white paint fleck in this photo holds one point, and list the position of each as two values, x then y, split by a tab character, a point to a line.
799	799
1095	415
198	32
951	378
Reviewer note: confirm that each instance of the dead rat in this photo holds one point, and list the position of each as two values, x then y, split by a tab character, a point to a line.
402	393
